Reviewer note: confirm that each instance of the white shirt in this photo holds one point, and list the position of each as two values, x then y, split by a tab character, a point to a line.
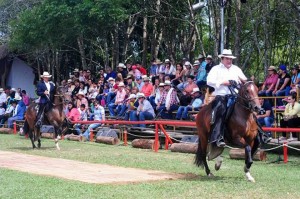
3	98
219	74
48	86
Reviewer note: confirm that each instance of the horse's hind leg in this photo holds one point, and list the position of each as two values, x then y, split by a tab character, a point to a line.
31	139
248	163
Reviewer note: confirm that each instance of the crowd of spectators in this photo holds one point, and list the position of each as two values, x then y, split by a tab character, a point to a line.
167	90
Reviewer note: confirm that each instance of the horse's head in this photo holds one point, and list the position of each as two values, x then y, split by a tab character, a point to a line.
248	95
62	94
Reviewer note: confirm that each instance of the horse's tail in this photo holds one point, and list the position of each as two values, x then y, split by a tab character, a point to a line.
199	155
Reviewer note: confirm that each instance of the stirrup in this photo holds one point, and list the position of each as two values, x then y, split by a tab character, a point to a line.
220	142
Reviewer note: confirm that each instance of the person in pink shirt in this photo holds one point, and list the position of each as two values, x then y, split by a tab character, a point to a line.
25	98
147	88
73	113
119	100
81	100
269	83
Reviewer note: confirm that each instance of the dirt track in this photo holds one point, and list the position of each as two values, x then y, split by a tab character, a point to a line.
80	171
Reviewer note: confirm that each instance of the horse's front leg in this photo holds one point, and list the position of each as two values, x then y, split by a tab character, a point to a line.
57	137
31	139
248	163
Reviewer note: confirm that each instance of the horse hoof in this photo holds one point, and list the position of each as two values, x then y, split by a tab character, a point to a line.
210	175
249	177
218	163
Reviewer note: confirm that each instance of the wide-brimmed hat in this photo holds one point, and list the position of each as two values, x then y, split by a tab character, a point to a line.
131	96
195	90
146	79
128	77
227	53
1	90
167	83
111	79
187	63
80	93
209	57
272	68
13	89
196	63
121	65
158	61
161	85
76	70
18	97
139	95
167	61
121	84
200	56
46	74
70	81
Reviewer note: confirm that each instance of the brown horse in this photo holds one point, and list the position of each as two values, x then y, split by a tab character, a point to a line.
55	116
241	129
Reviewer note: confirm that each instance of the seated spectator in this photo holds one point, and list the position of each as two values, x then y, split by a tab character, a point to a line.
99	115
110	74
81	100
130	82
113	86
136	72
168	101
141	68
147	88
18	112
25	98
282	87
139	83
186	98
82	88
2	97
160	67
121	68
129	107
186	73
120	97
153	69
76	88
201	75
144	111
178	74
2	109
195	105
170	69
269	83
295	79
266	116
154	91
73	113
209	63
291	116
83	117
8	112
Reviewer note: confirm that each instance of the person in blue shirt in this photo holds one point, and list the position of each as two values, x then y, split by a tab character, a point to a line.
202	74
144	111
295	78
110	73
195	105
18	113
266	116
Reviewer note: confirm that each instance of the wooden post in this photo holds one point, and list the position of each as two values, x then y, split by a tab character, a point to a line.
156	138
125	137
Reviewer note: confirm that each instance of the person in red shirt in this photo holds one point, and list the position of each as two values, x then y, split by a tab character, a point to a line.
147	88
141	68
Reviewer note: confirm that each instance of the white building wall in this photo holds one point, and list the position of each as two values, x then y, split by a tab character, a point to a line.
21	76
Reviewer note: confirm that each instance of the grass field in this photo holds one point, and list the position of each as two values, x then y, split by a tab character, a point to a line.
273	180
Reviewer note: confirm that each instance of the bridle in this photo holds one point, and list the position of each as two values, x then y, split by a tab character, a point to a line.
245	100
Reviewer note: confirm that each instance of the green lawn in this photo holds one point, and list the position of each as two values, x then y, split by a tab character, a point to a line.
273	180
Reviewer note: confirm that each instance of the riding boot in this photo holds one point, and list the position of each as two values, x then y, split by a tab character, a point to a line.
264	138
40	116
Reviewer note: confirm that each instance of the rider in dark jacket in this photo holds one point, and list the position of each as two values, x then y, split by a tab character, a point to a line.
45	89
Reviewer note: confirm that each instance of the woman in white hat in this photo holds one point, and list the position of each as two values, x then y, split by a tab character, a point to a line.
45	89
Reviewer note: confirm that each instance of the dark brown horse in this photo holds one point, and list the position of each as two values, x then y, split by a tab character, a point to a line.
55	116
241	129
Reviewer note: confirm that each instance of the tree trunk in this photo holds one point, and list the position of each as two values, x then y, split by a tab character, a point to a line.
156	35
144	59
238	28
184	147
108	140
82	52
143	143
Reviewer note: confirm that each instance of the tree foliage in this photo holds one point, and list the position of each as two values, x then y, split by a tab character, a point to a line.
59	35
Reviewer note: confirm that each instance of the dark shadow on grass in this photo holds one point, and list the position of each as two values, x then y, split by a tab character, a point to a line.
31	149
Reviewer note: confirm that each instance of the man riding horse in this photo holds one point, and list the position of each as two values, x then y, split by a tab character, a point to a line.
221	77
45	89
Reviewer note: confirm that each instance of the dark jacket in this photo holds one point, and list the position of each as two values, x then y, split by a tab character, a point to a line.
41	88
